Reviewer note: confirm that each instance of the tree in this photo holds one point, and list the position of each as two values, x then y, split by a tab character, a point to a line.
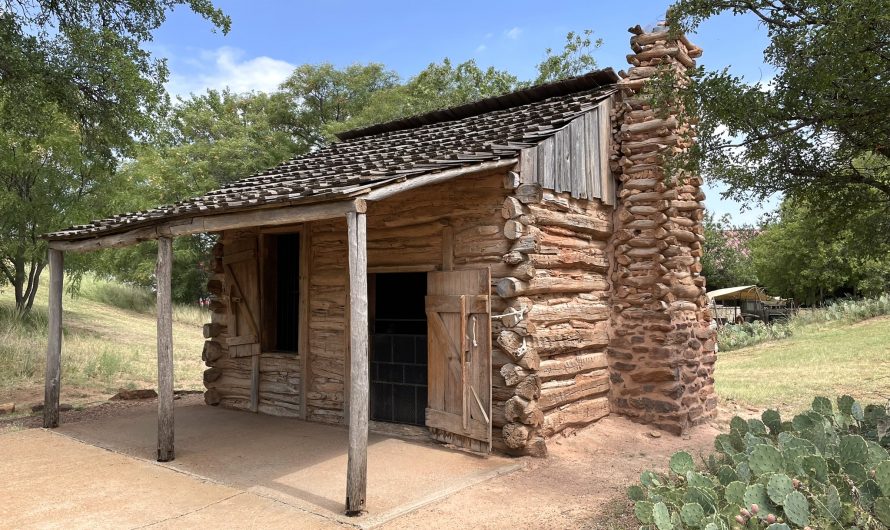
794	257
816	132
439	85
726	261
321	96
76	87
574	59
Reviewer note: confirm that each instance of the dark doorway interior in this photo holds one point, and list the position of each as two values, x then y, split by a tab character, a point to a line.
398	348
281	292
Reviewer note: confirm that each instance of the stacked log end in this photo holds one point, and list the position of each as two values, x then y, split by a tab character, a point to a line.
662	351
550	366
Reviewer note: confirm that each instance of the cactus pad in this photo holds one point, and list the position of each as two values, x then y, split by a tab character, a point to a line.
756	494
882	477
876	455
698	480
845	404
765	459
726	475
833	502
778	487
649	479
706	498
853	449
797	508
682	463
738	426
773	420
822	405
735	493
692	514
756	427
882	510
661	516
815	467
743	470
857	472
778	526
643	511
636	493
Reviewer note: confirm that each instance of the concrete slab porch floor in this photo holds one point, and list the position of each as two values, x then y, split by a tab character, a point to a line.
284	463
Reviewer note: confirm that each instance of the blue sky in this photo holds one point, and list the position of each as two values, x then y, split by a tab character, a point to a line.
269	38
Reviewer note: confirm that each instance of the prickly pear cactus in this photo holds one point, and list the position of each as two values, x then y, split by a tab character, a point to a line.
827	468
682	463
778	487
692	515
797	508
853	449
662	516
882	477
772	420
882	510
765	459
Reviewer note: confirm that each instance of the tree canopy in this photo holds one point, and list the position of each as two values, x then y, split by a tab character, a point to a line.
797	258
817	132
77	89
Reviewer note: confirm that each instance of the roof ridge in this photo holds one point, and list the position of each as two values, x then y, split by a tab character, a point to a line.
524	96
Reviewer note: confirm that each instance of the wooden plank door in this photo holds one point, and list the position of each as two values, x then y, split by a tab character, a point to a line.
242	283
458	309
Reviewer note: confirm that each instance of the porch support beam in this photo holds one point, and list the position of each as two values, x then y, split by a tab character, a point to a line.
215	223
54	342
165	349
357	467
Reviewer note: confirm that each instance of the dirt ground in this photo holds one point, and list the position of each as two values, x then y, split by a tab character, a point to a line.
581	483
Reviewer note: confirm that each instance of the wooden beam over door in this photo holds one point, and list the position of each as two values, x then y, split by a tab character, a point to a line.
357	467
165	349
54	342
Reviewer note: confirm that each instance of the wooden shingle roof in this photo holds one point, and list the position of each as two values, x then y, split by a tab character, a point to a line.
485	131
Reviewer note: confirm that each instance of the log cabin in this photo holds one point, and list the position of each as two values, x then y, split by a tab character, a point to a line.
497	272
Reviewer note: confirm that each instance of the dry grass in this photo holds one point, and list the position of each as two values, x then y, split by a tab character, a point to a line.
109	342
827	359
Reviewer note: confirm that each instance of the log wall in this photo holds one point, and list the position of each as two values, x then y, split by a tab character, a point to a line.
662	351
550	361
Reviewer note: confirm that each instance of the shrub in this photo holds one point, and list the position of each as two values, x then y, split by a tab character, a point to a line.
827	468
848	311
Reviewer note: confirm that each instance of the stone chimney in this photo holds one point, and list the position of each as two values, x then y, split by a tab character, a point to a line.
662	350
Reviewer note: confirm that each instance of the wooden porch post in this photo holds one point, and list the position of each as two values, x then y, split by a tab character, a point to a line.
165	349
54	342
357	469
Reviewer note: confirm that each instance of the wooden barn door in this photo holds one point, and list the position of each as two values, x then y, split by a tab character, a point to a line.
458	310
242	283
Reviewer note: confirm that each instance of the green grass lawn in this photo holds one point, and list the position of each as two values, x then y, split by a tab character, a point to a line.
828	359
109	342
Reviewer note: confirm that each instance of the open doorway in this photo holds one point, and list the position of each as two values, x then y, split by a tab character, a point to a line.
398	348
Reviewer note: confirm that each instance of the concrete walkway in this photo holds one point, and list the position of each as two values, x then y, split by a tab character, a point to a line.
52	481
242	469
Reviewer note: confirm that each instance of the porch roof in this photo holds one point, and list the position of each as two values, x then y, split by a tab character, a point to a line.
476	134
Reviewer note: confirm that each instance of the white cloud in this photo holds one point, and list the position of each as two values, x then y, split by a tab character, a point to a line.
227	67
481	48
513	33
